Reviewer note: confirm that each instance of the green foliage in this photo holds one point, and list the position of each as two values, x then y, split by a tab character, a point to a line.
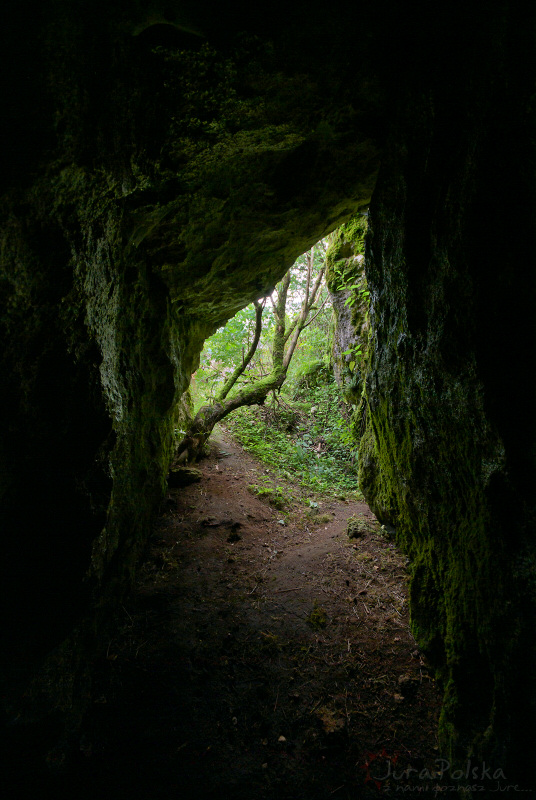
317	451
226	349
307	430
307	375
344	278
360	292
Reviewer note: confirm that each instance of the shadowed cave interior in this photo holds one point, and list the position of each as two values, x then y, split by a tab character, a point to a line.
162	166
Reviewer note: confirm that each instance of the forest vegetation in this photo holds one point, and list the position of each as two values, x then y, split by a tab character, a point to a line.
269	374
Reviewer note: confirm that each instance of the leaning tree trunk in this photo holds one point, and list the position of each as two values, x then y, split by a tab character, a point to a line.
193	444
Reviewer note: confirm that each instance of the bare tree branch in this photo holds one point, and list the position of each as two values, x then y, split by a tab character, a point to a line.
230	382
324	301
303	316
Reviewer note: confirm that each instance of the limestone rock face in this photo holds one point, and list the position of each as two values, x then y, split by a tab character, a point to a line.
447	454
168	175
349	296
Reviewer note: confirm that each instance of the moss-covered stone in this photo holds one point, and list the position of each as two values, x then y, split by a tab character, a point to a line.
355	528
441	458
347	284
170	188
183	476
309	375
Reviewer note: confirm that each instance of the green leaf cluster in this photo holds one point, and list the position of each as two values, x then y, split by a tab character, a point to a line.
318	452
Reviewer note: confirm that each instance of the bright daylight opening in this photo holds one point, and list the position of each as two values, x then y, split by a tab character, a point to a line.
281	370
293	592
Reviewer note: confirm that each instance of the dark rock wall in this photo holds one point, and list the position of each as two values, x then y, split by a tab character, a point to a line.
448	453
154	181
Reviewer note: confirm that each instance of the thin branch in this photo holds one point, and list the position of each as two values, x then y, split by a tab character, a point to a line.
317	313
291	327
303	316
278	342
230	382
310	259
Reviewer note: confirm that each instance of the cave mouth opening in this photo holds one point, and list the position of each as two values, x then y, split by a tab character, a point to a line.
302	345
287	602
247	342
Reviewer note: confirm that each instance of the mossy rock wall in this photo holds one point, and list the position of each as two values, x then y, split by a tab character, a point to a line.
155	182
448	453
347	284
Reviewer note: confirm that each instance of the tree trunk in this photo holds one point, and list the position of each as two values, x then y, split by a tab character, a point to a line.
192	446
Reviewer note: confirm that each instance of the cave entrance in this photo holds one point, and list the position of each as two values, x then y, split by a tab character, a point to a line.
276	355
271	614
297	353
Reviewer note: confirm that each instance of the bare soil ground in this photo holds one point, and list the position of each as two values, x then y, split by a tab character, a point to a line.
264	654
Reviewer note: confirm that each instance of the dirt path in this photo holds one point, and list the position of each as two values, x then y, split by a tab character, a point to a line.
264	654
